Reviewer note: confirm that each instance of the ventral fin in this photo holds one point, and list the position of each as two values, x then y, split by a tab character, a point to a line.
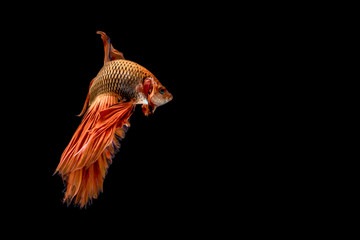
110	53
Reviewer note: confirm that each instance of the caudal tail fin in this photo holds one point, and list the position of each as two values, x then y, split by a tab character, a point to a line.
85	160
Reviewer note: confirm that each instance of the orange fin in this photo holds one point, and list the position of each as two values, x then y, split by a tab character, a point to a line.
110	53
146	110
148	86
86	104
85	160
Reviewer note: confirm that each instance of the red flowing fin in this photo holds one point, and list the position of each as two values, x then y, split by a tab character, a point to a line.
86	104
148	84
85	160
103	132
146	110
110	53
147	89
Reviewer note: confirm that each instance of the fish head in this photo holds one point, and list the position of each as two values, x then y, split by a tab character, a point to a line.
158	95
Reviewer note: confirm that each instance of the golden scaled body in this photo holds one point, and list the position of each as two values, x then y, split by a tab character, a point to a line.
120	77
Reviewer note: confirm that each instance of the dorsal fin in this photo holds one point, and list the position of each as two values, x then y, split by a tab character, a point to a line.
110	53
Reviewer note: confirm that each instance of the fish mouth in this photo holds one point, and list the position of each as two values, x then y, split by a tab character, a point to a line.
153	103
170	98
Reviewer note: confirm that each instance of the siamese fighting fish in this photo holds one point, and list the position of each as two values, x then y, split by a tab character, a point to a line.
113	94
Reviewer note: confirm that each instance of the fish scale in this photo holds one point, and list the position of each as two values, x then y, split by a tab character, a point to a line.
120	77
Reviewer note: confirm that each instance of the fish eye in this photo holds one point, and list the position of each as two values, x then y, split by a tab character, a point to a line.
162	91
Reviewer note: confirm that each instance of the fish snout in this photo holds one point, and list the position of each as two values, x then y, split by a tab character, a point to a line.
170	97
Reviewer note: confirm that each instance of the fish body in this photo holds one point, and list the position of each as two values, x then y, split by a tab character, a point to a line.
113	94
120	77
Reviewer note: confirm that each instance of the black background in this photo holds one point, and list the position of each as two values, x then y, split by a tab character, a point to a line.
223	155
204	161
182	168
165	168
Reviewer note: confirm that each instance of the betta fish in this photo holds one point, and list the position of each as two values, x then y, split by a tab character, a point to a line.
113	94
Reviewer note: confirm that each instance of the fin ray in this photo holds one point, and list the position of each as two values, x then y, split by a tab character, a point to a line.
110	53
85	160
